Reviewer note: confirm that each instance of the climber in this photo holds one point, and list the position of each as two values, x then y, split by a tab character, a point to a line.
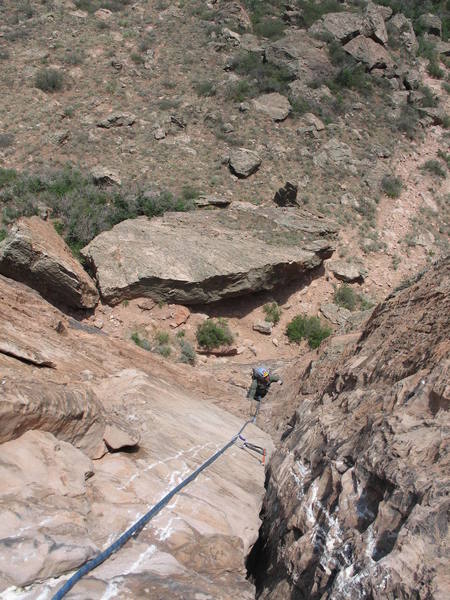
261	381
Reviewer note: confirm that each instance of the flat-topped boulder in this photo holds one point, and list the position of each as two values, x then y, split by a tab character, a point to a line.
35	254
202	257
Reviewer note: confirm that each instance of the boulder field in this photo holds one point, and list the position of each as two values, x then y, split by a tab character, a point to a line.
357	493
202	257
95	431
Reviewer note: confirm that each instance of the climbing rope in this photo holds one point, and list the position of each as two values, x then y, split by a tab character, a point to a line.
140	524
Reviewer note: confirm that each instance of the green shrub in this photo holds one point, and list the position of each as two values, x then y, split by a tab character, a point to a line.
49	80
352	77
239	91
261	77
391	186
213	334
189	192
445	156
272	312
188	355
91	6
434	167
408	122
271	28
162	338
4	54
205	88
74	57
427	49
309	328
429	98
141	342
164	349
3	234
345	296
434	70
6	140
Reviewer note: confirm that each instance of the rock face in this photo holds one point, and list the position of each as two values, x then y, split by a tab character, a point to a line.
402	31
348	272
244	163
371	54
357	494
35	254
192	258
59	507
287	195
275	105
343	26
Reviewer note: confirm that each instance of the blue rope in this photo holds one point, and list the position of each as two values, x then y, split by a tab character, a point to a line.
136	528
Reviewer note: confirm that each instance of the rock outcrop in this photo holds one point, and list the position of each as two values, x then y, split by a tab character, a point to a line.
276	106
59	507
244	163
371	54
357	495
192	258
35	254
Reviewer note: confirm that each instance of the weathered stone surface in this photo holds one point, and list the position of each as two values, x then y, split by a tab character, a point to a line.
58	508
180	315
211	200
374	24
368	52
287	195
343	26
117	120
70	412
105	176
191	258
116	438
275	105
244	163
335	314
313	120
263	327
359	487
347	271
402	30
431	24
34	253
306	58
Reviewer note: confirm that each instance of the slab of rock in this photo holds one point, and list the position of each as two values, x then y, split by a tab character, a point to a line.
263	327
311	119
35	254
335	314
275	105
211	200
303	56
342	26
146	304
371	54
374	25
44	515
117	120
70	412
105	176
180	316
220	351
347	271
287	195
205	256
244	163
402	30
116	438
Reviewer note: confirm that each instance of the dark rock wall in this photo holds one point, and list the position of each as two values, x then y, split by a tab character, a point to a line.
358	492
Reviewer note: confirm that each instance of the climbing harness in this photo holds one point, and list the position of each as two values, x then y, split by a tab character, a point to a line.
140	524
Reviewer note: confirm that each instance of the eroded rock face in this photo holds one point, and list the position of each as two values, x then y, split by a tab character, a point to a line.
203	257
371	54
357	495
276	106
35	254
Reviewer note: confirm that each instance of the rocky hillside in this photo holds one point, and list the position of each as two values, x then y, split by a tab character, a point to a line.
357	494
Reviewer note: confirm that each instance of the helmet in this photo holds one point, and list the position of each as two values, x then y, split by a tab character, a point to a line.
262	372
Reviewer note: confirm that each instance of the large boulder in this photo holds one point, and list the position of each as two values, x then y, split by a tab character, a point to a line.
342	26
301	55
275	105
358	492
244	163
347	271
35	254
374	24
401	32
200	257
371	54
431	24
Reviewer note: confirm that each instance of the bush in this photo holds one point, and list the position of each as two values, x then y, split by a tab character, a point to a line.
141	342
6	140
345	296
74	57
271	28
434	167
213	334
309	328
272	312
434	70
352	77
188	355
408	122
49	80
3	234
261	77
92	5
162	338
164	349
205	88
445	156
391	186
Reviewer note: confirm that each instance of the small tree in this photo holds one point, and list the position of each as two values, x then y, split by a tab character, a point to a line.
49	80
213	334
272	312
391	186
